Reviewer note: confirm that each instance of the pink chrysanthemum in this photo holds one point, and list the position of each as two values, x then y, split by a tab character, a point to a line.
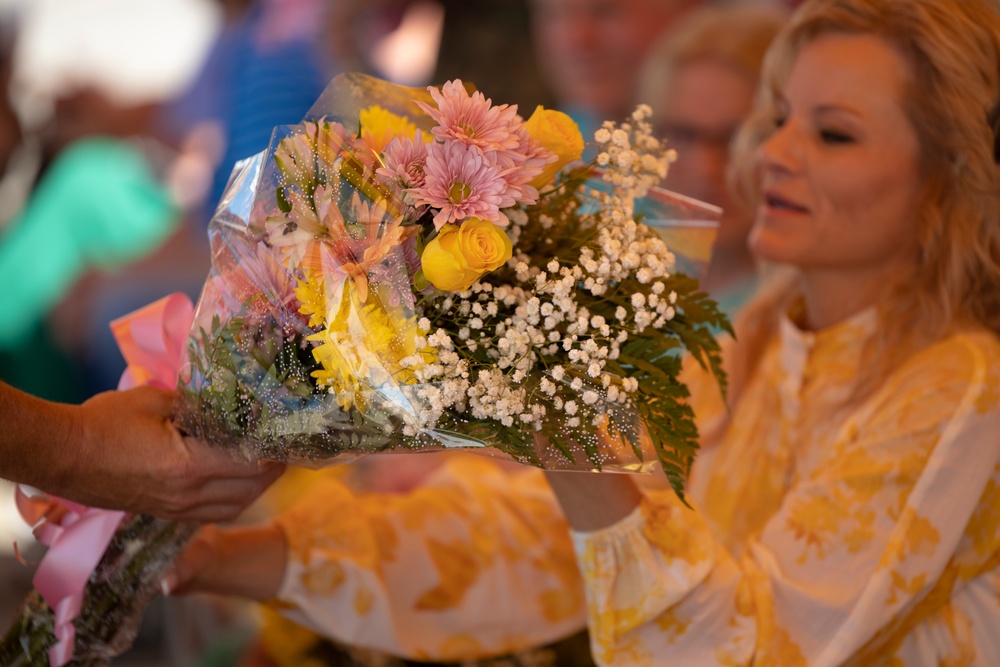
520	165
461	183
404	161
472	119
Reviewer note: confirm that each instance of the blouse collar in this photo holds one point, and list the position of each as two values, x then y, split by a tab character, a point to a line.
835	351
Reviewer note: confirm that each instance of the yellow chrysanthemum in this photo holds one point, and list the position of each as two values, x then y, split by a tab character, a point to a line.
312	296
379	126
362	346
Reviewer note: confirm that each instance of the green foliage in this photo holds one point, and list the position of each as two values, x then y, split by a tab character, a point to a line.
251	388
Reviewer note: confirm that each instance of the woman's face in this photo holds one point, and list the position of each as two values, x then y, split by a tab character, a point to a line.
839	175
700	111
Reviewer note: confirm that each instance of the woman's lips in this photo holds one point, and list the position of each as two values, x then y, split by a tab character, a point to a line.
775	203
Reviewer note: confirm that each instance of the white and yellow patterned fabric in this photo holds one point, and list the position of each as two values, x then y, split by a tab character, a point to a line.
825	533
475	562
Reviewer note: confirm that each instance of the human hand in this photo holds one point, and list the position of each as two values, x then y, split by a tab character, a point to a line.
123	452
247	562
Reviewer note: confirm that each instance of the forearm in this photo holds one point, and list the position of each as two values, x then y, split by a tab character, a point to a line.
118	450
32	433
594	501
650	579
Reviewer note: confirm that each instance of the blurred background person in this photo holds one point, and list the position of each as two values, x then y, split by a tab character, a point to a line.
700	79
266	67
591	51
105	190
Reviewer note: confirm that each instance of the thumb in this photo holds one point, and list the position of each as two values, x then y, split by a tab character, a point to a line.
154	400
161	401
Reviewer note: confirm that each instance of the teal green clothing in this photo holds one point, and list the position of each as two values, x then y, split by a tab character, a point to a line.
40	367
99	205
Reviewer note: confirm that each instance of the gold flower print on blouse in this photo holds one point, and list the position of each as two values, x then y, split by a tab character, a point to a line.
475	562
323	578
458	564
854	528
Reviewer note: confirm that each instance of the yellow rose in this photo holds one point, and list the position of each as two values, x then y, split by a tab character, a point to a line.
460	254
560	134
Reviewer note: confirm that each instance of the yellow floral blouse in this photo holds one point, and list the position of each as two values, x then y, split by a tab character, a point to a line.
825	533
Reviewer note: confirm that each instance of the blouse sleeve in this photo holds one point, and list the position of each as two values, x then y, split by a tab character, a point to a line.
475	562
866	545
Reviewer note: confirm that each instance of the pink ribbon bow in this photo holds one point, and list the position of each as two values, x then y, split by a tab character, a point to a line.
152	341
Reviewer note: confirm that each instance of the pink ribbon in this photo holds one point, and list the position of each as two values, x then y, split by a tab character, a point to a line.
76	538
152	341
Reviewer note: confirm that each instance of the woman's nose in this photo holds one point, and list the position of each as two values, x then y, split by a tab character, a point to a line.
781	151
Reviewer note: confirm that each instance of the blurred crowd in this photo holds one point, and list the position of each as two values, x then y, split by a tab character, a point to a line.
120	123
113	161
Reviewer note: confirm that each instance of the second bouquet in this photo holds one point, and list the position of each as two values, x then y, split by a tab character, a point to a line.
414	269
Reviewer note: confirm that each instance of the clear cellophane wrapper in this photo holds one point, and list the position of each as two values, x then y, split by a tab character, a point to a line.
268	377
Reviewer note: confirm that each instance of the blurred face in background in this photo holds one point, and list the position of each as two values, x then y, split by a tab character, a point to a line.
698	114
591	51
840	181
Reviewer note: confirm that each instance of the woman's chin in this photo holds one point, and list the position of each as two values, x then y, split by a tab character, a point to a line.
768	246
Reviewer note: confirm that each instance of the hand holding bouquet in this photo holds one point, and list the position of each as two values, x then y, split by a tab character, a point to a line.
415	270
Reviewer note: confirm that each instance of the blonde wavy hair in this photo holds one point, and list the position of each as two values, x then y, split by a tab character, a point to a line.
953	48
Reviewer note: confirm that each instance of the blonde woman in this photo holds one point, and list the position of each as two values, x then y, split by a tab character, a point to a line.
847	513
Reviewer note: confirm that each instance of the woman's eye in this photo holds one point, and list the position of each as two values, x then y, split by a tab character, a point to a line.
835	137
779	122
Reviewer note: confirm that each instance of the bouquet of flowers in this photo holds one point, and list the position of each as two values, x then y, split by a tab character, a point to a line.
418	270
414	276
